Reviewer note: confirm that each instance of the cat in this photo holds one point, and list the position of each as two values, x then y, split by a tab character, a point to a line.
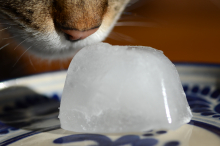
59	28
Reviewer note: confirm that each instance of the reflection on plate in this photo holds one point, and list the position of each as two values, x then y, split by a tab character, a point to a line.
29	110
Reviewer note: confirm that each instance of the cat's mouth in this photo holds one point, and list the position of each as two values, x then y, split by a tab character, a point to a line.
73	34
76	35
56	44
59	43
80	23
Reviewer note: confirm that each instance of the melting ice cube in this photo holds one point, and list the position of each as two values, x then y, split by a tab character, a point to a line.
114	89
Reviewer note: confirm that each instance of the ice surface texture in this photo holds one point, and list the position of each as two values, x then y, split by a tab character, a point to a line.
114	89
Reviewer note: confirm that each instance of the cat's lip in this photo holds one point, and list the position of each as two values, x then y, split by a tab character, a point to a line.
75	35
68	38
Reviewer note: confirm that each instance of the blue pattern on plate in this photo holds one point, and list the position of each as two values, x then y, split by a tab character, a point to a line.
198	104
103	140
14	139
203	100
5	129
206	126
172	143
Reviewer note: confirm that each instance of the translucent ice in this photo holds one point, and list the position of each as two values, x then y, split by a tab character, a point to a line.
122	89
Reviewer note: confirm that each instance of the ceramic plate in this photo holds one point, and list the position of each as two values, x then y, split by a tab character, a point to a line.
29	110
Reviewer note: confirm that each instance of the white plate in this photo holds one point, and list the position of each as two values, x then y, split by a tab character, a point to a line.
29	110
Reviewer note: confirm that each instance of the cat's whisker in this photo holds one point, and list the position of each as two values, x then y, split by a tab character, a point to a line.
20	43
16	18
7	24
121	37
4	46
49	62
31	63
9	38
140	24
21	56
61	65
5	28
130	15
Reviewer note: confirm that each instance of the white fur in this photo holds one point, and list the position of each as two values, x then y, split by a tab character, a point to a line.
54	45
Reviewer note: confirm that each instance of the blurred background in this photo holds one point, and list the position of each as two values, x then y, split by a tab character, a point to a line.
185	30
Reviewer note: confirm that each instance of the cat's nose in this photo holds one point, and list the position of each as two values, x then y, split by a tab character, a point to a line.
75	35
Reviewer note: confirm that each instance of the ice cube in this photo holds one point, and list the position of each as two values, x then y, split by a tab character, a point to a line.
114	89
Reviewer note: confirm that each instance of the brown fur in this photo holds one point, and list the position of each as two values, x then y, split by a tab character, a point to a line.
80	14
40	15
29	13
